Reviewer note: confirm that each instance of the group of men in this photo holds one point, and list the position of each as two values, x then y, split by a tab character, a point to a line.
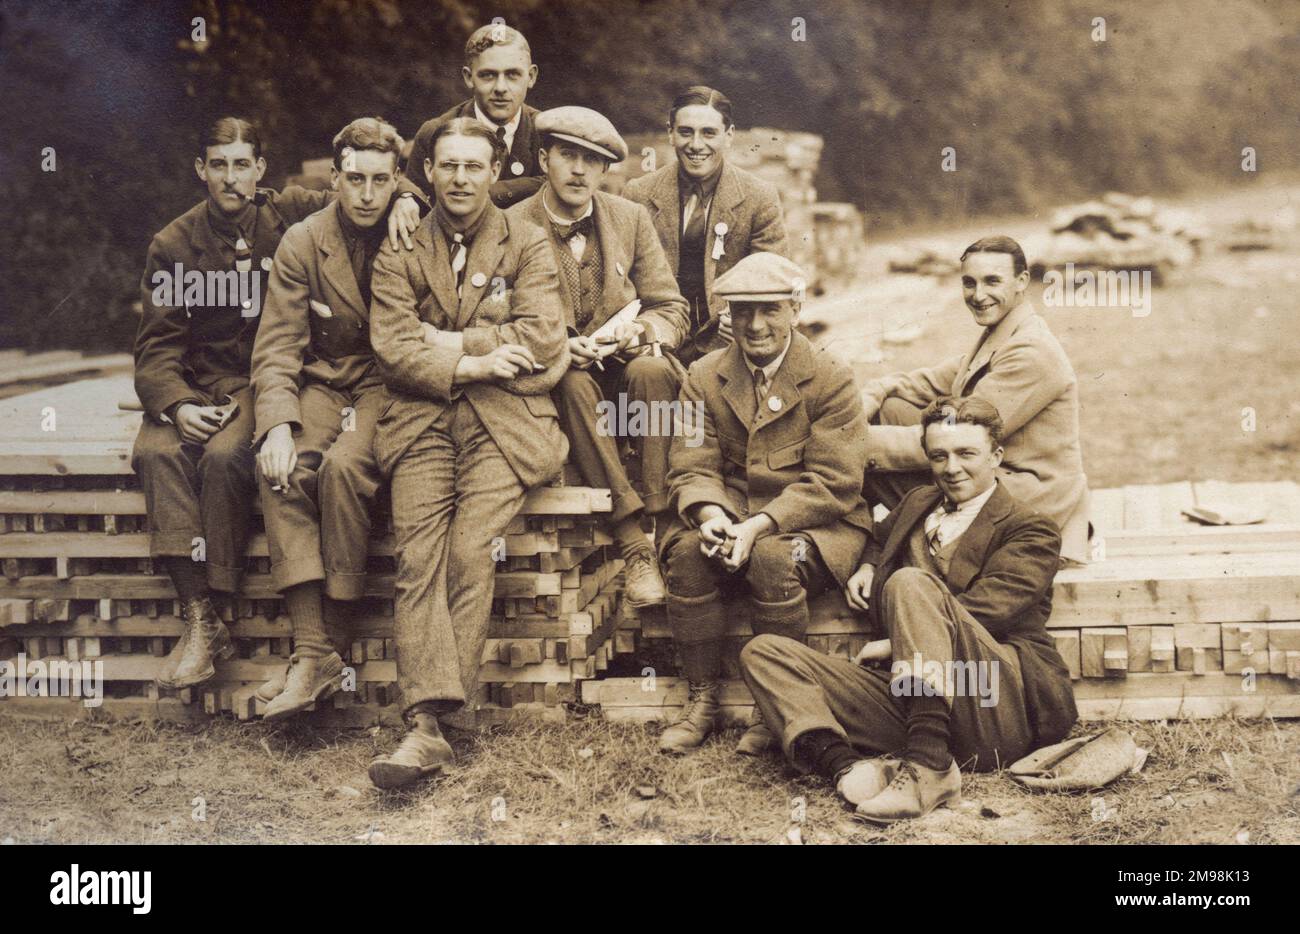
453	331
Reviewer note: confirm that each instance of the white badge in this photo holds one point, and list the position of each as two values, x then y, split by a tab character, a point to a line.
517	168
266	263
477	280
618	268
718	247
774	403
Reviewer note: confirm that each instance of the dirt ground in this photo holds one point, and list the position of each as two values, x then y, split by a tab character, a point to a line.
1162	398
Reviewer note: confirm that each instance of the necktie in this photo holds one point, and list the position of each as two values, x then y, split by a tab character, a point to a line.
932	536
501	141
693	215
575	236
458	256
760	386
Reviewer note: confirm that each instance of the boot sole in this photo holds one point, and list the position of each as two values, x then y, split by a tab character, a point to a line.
223	653
954	801
752	748
388	775
325	691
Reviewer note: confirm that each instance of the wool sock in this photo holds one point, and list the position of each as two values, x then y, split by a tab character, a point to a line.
927	729
303	601
189	577
826	752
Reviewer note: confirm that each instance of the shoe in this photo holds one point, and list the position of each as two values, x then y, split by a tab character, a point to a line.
914	792
699	718
309	680
206	638
643	585
273	686
422	752
865	779
758	739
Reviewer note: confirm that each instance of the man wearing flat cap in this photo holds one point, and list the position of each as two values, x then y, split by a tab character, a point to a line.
610	258
770	503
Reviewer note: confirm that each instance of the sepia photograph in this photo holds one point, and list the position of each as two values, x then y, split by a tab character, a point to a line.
672	422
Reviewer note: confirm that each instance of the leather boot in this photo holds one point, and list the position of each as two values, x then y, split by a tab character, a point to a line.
423	751
206	638
699	718
914	792
272	687
865	779
643	585
310	679
758	739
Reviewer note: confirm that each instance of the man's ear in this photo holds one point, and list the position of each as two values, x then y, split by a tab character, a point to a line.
201	169
428	170
1022	281
730	134
496	169
334	178
261	167
532	76
468	75
542	160
997	456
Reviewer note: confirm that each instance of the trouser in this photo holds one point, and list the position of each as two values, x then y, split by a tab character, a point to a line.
890	486
199	497
799	690
454	494
784	570
646	383
319	529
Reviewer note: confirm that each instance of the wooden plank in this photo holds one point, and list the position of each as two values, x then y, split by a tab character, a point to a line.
1162	648
1139	648
1106	510
1142	507
1067	643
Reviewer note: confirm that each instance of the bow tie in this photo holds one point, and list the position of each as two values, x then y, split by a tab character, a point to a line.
948	505
568	231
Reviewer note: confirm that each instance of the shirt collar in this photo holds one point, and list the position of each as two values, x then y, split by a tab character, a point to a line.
449	232
229	228
770	370
707	186
975	503
510	126
354	234
562	221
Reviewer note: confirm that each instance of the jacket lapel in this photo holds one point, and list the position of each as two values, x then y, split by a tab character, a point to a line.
739	388
435	263
968	556
536	209
727	198
668	214
914	508
989	342
614	257
336	266
484	256
795	369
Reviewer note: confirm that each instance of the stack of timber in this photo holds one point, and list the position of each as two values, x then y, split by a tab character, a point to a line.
78	583
1171	620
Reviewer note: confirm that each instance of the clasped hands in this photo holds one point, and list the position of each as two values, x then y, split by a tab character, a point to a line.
728	541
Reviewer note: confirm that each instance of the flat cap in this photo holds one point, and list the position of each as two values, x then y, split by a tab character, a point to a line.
761	277
585	127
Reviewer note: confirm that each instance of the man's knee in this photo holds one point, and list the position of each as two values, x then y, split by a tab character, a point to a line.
896	411
761	648
771	562
652	374
233	460
577	387
909	580
350	469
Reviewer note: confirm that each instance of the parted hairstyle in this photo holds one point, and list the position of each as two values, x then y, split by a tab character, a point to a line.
226	130
485	37
999	244
700	94
970	410
372	133
466	126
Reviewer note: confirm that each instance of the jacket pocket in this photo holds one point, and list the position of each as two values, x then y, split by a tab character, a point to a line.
787	456
541	406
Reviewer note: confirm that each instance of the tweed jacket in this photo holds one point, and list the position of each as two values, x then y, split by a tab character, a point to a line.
510	296
798	458
1020	367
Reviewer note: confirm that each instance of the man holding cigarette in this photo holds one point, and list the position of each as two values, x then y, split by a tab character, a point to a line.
318	397
770	504
203	287
468	332
623	309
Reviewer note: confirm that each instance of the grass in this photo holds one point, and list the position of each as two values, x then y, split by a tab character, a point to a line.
1161	401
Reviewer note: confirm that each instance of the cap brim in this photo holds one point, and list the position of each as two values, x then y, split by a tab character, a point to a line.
587	144
758	297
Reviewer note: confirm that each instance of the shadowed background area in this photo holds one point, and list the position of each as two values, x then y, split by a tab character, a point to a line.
1038	111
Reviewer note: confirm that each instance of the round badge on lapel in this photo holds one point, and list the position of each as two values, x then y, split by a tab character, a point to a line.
721	229
517	168
477	280
774	403
266	263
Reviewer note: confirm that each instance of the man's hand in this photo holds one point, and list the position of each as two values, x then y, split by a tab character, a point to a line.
627	333
508	361
402	221
715	531
858	590
724	326
197	423
743	536
874	653
584	351
278	456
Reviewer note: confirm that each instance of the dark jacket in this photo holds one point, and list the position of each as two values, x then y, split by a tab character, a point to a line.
512	187
199	353
1001	571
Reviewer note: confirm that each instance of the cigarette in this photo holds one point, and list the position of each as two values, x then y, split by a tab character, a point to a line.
713	551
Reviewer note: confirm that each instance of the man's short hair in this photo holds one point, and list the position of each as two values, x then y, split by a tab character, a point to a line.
466	126
492	34
227	130
969	410
373	133
700	94
999	244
